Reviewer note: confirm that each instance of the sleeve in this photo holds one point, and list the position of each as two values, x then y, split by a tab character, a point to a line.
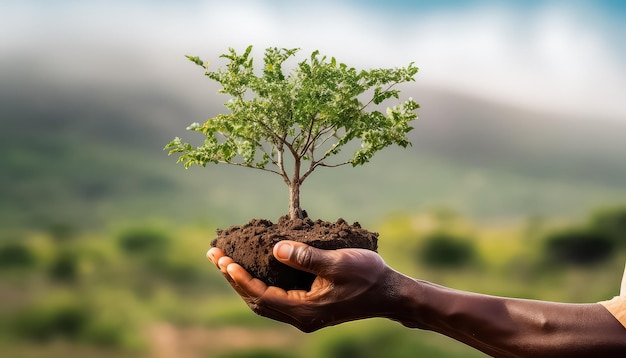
617	305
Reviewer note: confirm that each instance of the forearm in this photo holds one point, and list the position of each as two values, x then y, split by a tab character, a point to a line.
506	327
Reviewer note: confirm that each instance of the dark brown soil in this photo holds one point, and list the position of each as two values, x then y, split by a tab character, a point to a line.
251	246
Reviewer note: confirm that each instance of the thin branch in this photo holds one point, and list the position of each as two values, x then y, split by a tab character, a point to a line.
332	165
291	148
309	134
312	159
320	164
250	166
261	123
269	130
281	164
312	153
278	162
325	130
256	143
332	135
317	163
312	147
269	155
372	100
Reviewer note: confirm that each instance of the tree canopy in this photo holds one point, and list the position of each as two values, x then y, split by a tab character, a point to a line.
307	114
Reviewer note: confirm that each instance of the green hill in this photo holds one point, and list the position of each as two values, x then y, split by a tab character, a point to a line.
92	155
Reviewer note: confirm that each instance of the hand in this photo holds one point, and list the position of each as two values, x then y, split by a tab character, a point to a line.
350	284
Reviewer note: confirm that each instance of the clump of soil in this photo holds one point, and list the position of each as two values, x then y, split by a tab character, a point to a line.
251	246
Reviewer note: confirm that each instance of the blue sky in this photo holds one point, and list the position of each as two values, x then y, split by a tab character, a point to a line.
609	7
563	56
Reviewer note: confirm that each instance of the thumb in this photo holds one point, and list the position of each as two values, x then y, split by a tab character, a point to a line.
302	256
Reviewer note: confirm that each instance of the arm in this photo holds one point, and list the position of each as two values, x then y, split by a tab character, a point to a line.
507	327
354	284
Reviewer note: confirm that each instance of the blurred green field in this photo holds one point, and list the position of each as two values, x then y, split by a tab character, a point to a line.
145	289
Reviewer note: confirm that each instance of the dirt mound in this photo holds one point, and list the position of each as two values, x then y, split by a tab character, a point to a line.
251	245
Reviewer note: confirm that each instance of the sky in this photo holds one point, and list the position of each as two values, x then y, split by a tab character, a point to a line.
560	56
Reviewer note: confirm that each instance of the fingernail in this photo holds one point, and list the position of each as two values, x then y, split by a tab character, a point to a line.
222	263
209	256
283	251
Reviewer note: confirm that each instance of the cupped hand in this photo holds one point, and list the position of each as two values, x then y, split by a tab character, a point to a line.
350	284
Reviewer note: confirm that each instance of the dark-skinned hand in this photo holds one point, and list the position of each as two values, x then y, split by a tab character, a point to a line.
350	284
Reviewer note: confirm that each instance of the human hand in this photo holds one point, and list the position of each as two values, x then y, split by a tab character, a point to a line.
351	284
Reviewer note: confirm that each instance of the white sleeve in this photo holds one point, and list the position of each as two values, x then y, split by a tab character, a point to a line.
617	306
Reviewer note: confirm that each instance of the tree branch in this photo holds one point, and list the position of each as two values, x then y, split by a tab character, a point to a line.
291	148
320	164
332	165
309	134
250	166
373	98
281	164
329	129
269	155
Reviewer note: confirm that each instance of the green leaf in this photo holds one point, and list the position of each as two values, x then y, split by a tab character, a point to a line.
194	127
197	61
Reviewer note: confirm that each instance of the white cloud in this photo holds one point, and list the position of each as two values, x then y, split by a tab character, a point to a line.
556	58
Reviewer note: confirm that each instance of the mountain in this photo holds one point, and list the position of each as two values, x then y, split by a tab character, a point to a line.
534	144
92	155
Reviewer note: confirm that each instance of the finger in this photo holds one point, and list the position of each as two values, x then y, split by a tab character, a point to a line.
214	255
268	301
303	257
250	291
223	262
247	284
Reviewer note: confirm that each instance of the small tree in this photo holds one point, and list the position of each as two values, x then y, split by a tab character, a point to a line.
308	115
447	250
579	246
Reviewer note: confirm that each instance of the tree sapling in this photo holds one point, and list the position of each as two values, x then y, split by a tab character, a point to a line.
291	123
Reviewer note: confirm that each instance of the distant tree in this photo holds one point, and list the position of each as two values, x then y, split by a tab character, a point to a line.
48	323
64	267
578	247
16	255
447	250
143	241
611	222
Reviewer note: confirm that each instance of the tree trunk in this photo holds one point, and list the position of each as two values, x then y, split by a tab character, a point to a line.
295	211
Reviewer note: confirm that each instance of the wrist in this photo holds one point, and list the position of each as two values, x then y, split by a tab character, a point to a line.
419	304
407	297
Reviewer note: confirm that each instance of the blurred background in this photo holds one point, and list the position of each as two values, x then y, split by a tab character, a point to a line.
515	184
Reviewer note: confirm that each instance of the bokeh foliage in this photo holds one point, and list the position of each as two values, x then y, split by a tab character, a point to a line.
107	292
